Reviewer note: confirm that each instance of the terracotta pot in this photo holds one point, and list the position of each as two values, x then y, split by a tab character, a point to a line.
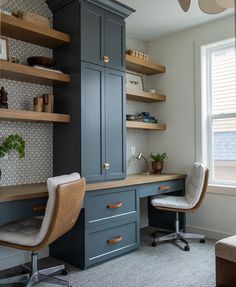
157	166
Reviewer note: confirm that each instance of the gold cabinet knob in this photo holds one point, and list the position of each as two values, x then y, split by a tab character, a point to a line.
106	166
106	59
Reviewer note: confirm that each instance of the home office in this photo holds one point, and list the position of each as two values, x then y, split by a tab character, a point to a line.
91	107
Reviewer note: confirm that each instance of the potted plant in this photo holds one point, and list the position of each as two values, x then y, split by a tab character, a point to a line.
12	142
158	162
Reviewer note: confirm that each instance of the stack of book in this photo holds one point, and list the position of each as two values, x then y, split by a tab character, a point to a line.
143	117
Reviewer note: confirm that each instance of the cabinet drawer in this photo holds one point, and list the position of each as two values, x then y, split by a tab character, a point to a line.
103	207
21	209
105	244
162	187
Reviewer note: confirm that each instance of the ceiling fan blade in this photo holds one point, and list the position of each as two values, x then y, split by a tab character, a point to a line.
185	4
226	3
210	6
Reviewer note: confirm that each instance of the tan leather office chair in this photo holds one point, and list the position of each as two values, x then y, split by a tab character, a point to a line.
195	192
66	194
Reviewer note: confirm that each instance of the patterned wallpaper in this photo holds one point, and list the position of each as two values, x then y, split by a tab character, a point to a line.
137	138
37	165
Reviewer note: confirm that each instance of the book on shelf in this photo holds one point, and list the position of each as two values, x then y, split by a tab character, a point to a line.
146	120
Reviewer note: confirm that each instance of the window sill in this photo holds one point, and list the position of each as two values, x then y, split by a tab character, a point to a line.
221	189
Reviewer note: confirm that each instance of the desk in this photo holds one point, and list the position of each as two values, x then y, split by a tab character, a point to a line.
108	225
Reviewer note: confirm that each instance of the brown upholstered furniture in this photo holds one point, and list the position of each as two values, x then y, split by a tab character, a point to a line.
225	251
66	194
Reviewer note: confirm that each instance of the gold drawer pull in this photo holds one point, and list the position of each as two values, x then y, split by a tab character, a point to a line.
164	187
115	205
106	59
115	240
106	166
38	208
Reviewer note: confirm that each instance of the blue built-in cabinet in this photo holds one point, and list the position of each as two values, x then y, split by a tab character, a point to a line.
102	37
93	144
107	227
102	123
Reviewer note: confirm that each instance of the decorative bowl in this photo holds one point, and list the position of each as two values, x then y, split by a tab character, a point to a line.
41	61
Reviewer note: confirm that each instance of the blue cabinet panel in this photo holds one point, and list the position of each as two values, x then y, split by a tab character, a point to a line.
92	33
115	41
115	124
101	246
162	187
92	122
102	207
20	210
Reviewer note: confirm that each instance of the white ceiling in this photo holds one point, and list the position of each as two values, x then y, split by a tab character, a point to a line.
155	18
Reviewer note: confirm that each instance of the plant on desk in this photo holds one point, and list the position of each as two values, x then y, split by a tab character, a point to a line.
158	162
12	142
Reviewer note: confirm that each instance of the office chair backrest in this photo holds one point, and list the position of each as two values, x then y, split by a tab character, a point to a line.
66	195
197	184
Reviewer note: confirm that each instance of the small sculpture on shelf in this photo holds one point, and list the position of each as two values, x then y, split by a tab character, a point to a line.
3	99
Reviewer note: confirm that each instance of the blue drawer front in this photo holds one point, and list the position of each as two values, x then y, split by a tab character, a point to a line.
162	187
105	244
20	209
102	207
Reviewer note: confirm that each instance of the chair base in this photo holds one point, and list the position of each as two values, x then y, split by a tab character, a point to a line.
178	235
35	276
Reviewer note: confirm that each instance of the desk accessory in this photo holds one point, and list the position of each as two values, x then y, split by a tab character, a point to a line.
158	162
3	99
141	156
3	49
41	61
38	104
48	103
134	82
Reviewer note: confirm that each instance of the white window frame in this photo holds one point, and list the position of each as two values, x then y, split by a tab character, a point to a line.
203	107
209	117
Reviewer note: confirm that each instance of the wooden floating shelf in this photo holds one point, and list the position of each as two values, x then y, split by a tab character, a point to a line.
29	74
143	67
147	97
32	33
144	126
7	114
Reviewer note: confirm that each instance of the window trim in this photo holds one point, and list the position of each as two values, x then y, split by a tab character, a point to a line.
201	124
206	52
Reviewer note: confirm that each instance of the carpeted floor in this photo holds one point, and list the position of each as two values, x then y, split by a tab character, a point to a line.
164	266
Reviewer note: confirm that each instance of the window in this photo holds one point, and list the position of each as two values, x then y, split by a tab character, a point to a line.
219	111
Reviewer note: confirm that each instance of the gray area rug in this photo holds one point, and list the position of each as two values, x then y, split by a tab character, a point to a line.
167	265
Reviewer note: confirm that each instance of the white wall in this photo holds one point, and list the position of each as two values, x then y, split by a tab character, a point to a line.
217	215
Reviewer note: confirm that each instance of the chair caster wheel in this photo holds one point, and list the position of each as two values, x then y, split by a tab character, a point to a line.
154	244
65	271
186	248
154	234
202	240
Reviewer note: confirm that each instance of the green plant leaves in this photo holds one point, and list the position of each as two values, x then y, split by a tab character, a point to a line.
158	156
13	142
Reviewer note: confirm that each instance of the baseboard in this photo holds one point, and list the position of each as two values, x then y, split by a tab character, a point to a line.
209	233
12	257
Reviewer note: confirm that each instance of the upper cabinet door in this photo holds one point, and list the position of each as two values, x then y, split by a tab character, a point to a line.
92	122
92	34
114	47
115	124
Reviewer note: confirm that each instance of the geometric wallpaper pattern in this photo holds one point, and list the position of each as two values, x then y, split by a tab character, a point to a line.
137	138
37	165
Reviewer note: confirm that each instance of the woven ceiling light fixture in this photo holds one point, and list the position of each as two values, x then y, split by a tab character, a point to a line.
209	6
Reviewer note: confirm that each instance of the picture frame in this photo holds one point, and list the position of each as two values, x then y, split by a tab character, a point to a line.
134	82
4	49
